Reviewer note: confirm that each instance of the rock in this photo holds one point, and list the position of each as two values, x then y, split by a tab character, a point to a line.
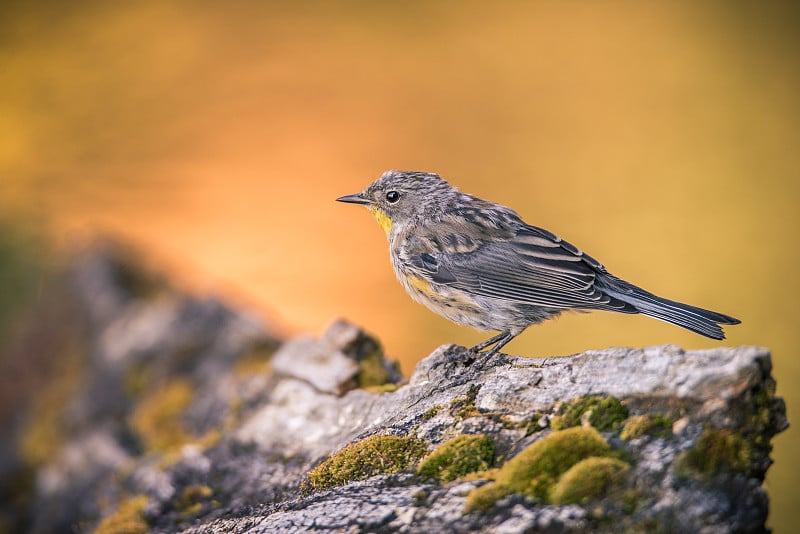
182	414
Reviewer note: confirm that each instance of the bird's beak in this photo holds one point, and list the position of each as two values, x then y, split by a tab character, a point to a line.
358	198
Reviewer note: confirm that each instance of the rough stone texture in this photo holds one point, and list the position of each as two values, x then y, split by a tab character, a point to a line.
241	426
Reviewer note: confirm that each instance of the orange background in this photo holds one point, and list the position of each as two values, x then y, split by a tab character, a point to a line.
661	138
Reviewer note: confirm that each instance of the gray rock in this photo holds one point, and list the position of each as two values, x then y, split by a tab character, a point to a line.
182	401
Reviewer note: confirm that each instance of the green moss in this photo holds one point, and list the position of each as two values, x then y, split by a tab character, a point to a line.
587	480
533	426
136	380
43	432
375	455
717	450
23	265
482	499
128	518
464	407
373	369
192	499
534	470
461	455
157	418
603	413
256	361
651	424
431	413
383	388
420	497
764	419
632	500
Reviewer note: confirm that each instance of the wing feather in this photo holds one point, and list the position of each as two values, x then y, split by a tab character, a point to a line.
532	267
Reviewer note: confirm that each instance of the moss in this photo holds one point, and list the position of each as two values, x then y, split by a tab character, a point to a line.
765	418
632	500
717	450
588	480
373	368
157	418
535	425
376	455
534	470
420	497
431	413
603	413
383	388
128	518
482	499
464	407
257	360
43	432
650	424
461	455
136	380
24	263
192	499
485	474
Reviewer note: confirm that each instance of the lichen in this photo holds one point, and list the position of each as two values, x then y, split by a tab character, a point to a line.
461	455
375	455
535	470
650	424
157	418
717	450
587	480
603	413
128	518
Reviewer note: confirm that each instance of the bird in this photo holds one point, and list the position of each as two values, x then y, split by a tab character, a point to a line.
479	264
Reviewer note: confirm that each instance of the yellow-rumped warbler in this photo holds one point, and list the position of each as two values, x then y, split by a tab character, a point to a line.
479	264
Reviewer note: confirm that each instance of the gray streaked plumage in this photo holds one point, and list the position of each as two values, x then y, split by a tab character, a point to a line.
479	264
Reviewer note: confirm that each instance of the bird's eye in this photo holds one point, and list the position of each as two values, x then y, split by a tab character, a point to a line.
392	196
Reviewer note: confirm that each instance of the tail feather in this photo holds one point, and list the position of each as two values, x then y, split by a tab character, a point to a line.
699	320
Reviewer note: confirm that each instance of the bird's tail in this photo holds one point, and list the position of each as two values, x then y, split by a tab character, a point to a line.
704	322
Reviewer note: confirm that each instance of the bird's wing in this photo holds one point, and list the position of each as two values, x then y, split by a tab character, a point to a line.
531	267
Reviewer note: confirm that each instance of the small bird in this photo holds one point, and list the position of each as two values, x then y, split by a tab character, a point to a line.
479	264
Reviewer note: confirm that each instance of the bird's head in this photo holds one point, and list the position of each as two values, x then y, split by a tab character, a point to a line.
399	197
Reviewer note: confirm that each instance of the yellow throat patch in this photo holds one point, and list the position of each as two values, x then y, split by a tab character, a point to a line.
383	220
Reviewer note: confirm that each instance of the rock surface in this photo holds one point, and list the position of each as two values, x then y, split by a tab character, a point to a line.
174	413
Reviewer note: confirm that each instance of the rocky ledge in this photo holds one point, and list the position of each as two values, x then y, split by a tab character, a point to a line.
169	413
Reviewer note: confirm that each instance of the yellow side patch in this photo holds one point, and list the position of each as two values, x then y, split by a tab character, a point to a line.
420	284
383	220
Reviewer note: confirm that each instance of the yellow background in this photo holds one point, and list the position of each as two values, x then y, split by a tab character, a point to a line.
661	138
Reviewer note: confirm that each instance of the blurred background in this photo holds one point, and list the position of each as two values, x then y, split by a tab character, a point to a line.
661	138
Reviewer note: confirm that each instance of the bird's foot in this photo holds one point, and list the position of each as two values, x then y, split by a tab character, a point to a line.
499	341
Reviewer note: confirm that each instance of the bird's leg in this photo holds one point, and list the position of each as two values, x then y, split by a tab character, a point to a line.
501	340
494	339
